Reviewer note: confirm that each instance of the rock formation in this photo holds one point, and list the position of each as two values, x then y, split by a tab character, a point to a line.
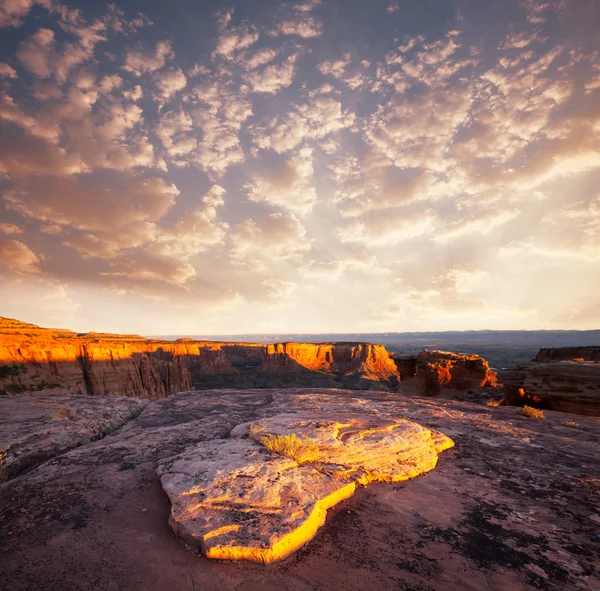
566	386
547	355
514	505
34	429
438	373
238	499
34	359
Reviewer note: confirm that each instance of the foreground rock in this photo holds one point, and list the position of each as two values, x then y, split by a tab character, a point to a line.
59	361
237	499
33	430
514	505
566	386
442	373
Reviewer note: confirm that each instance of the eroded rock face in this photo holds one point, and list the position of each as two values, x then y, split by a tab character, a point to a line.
550	354
435	373
34	359
566	386
236	499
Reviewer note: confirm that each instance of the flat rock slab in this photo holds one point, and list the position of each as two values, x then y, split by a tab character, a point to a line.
240	499
512	506
35	429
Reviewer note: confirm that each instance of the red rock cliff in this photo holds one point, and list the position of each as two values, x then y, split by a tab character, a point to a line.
34	359
434	373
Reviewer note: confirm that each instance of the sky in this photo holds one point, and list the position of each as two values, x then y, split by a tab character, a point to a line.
320	166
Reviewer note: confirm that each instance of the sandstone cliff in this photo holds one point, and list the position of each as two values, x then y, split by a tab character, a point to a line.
548	355
439	373
566	386
34	359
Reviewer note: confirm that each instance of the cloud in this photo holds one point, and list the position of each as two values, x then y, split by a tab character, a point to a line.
315	120
17	257
258	58
117	208
219	113
21	157
10	229
389	227
289	185
233	39
13	12
138	62
481	223
258	243
39	54
7	71
306	27
278	289
173	130
12	113
271	79
170	82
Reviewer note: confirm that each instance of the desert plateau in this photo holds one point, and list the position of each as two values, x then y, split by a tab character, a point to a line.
423	476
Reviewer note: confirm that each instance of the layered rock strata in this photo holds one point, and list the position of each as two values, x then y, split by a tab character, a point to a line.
33	430
264	492
566	386
548	355
437	373
34	359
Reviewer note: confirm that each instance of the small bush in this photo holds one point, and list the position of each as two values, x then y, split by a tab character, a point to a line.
572	424
292	447
532	413
256	431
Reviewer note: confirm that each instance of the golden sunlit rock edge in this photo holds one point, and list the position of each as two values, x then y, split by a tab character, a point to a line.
236	499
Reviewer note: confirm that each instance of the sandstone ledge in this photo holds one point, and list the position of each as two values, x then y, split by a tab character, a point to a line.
236	499
33	430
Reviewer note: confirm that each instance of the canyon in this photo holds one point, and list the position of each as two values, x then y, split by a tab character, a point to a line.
34	359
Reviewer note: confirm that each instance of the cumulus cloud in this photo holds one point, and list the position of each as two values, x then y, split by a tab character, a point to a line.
39	53
219	114
260	242
17	257
273	78
288	185
233	39
10	229
7	71
139	62
306	27
13	12
170	82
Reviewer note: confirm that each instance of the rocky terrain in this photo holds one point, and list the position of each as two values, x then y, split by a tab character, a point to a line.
264	492
33	430
513	505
